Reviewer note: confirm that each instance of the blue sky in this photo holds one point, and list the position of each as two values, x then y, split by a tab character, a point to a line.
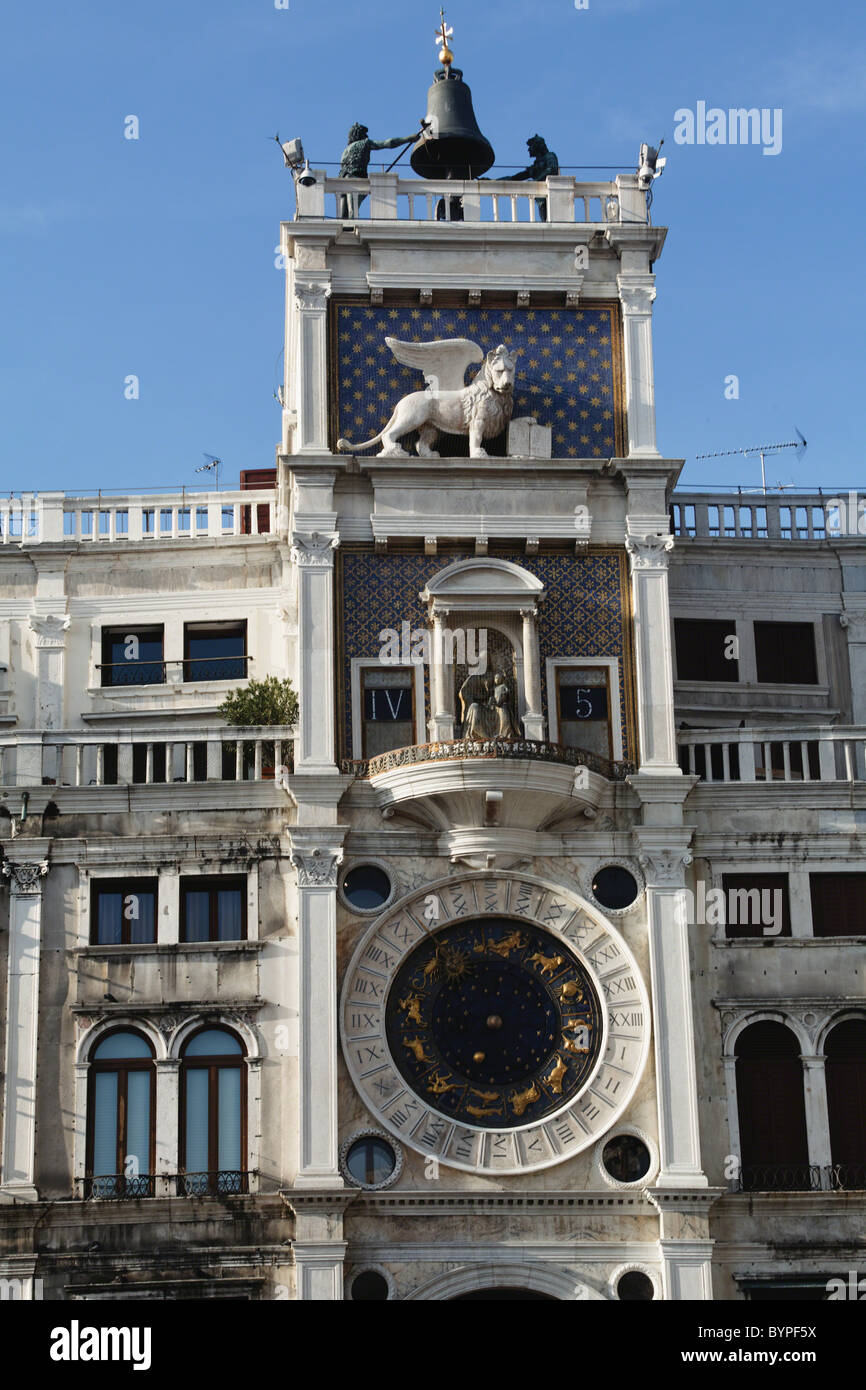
155	257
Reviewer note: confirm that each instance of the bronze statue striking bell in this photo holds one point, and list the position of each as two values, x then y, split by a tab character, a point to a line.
452	146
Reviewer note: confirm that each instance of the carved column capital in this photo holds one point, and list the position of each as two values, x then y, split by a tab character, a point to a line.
649	552
636	293
24	876
318	868
663	854
50	630
664	866
312	294
314	550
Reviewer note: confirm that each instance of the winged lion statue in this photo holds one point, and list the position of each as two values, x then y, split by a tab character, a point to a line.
482	409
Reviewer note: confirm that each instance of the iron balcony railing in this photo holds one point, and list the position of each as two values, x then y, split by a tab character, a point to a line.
226	1183
794	1177
153	671
117	1187
522	748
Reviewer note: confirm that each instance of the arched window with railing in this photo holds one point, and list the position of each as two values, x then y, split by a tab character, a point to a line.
212	1158
772	1113
121	1116
845	1073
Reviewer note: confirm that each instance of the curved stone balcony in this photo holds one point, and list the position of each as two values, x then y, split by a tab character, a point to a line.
489	799
462	748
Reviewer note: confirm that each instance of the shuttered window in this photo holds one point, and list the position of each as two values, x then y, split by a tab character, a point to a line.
772	1111
838	904
845	1070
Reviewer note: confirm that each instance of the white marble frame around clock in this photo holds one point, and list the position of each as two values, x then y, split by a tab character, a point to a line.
589	935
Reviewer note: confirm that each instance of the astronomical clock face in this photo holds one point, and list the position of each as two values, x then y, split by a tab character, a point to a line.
495	1023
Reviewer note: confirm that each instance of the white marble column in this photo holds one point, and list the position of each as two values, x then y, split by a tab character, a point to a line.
50	637
817	1115
653	660
168	1158
318	1247
441	723
313	554
533	719
854	623
18	1166
317	855
311	298
663	856
636	293
687	1270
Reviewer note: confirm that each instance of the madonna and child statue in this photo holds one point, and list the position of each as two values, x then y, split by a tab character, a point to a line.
486	707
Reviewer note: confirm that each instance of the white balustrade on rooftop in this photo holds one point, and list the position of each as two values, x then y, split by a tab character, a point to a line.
38	517
808	516
775	753
387	197
80	758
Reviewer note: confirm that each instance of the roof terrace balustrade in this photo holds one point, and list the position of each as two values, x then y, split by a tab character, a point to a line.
775	753
389	198
79	758
751	515
33	518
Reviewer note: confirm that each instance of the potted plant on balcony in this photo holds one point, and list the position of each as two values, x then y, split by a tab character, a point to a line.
259	704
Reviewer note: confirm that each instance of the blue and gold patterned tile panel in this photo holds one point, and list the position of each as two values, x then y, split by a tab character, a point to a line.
568	367
586	612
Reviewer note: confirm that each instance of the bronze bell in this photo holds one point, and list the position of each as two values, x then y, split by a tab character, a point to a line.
452	146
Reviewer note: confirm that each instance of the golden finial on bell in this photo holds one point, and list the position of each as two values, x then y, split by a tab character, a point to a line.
443	34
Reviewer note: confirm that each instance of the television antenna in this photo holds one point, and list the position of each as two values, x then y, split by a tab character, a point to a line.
763	449
212	465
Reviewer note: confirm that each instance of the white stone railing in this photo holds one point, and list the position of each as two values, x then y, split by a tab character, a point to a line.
205	753
388	197
775	753
52	516
735	515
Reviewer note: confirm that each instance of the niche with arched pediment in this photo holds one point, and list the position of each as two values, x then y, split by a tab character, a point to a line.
567	612
485	666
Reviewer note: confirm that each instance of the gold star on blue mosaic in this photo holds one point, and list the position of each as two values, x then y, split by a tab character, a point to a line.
541	379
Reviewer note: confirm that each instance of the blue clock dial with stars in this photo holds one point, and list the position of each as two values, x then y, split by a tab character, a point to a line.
494	1022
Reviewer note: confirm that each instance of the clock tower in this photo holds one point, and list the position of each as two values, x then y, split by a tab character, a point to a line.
493	985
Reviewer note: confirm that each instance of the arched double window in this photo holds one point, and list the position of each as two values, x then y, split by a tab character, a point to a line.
845	1072
213	1108
121	1113
774	1149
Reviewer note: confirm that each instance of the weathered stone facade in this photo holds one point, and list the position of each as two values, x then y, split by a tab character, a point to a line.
573	568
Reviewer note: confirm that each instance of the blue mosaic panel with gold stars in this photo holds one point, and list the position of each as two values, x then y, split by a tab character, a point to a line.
585	613
568	373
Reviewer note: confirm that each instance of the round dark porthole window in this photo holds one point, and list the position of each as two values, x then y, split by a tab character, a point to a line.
614	887
634	1287
370	1161
366	887
369	1286
626	1158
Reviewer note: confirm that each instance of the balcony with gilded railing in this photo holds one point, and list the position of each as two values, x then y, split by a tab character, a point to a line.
387	197
191	754
31	518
